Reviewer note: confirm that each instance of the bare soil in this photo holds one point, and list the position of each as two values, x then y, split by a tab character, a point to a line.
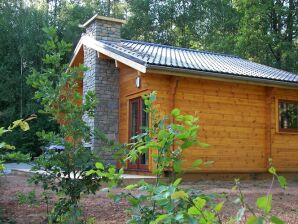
285	203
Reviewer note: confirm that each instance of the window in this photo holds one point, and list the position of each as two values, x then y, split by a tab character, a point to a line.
138	121
288	116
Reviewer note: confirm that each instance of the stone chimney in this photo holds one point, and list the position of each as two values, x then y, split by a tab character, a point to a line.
103	78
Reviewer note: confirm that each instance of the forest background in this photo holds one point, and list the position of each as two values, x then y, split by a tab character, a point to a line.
264	31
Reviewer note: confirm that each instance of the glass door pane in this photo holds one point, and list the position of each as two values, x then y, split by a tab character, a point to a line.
138	121
144	125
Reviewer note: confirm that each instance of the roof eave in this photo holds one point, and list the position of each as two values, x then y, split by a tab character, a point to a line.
104	49
220	76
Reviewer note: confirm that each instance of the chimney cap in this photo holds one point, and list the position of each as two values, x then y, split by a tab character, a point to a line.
97	17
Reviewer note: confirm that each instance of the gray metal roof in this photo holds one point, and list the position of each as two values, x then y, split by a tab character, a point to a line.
156	55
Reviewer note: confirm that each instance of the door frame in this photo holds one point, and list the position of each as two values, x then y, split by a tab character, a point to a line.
137	166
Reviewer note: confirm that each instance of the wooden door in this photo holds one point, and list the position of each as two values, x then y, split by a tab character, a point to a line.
138	120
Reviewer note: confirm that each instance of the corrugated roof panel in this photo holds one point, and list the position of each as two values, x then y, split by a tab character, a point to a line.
163	55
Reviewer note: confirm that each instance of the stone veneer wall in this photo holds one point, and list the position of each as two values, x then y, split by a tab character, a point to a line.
103	78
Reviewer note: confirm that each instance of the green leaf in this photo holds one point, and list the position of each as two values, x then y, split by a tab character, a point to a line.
177	166
186	144
99	165
15	124
133	201
255	220
89	172
193	211
2	131
177	182
282	181
179	118
175	112
272	170
219	206
24	126
160	218
264	203
203	145
199	202
179	195
188	118
197	163
131	186
276	220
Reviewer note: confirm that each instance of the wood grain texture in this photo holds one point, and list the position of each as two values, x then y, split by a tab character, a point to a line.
237	120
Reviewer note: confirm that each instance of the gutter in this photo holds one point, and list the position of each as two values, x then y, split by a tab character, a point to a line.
223	76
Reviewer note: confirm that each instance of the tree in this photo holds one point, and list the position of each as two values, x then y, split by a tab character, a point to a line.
268	32
65	173
20	26
263	31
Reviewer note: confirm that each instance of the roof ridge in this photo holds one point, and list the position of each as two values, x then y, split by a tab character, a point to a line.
180	48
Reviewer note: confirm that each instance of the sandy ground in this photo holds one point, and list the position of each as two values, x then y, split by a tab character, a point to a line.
285	203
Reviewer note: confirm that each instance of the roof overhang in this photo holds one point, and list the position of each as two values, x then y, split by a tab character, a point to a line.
142	67
104	49
156	69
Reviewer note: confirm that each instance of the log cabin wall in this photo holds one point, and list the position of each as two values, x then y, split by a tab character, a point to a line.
284	149
232	121
128	90
235	120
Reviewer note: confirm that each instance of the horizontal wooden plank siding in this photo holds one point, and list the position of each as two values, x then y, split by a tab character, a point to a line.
284	145
234	120
128	90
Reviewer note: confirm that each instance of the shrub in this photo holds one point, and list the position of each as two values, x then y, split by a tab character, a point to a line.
57	89
29	198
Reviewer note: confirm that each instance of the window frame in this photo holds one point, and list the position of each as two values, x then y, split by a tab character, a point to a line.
280	129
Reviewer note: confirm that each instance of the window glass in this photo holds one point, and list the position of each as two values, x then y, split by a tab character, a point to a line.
144	116
134	119
288	116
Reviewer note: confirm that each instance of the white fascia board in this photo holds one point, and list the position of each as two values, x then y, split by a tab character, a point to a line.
76	51
98	46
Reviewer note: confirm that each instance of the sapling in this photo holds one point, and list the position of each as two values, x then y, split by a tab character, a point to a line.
58	91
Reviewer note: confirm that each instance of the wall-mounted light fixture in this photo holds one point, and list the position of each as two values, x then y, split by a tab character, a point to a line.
138	82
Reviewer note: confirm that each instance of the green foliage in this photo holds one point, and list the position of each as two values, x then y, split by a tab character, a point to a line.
262	31
170	202
167	140
66	173
15	157
20	26
29	198
268	32
263	203
162	202
6	153
21	23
